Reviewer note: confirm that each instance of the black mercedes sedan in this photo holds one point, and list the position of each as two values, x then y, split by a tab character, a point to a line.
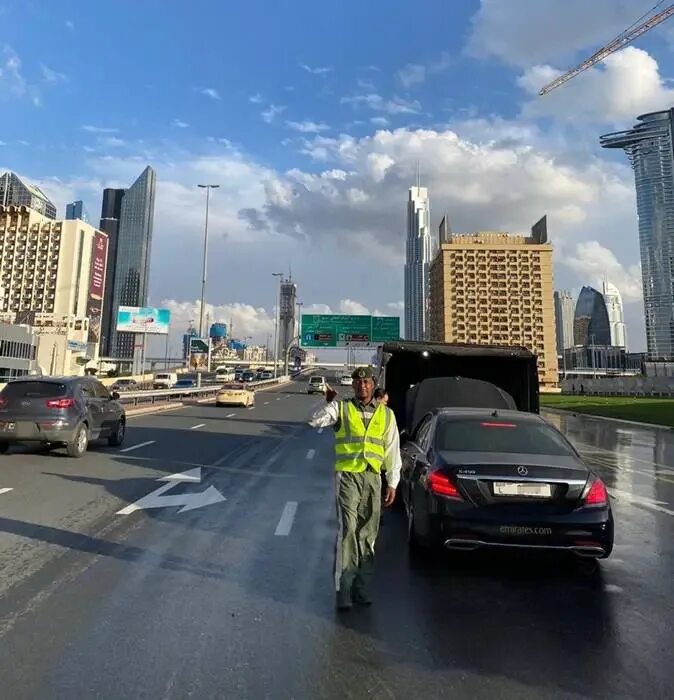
477	478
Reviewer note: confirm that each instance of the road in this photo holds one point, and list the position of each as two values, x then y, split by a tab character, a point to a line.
234	599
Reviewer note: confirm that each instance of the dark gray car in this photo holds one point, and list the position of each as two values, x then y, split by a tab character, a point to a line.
60	411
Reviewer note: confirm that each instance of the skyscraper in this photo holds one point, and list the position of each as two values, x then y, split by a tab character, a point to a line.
14	191
494	288
76	210
564	310
419	252
110	213
590	322
287	303
649	147
616	318
131	213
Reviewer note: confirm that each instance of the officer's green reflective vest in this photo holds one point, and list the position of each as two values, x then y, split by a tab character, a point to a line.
355	446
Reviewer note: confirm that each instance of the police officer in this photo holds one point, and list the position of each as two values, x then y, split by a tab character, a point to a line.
366	443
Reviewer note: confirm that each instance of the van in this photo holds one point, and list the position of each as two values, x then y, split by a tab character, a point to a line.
224	373
164	380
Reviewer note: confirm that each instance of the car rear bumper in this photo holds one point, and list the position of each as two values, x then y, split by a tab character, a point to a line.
586	535
37	431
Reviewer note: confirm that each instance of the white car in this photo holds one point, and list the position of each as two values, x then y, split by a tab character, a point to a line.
345	380
317	385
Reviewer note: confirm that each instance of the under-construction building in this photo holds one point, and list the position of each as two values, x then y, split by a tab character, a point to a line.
287	306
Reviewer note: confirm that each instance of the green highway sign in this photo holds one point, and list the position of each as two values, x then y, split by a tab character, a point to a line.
341	330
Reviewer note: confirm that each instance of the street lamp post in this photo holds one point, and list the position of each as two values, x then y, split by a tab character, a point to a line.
276	315
202	310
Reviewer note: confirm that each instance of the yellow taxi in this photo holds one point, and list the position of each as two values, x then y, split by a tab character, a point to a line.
235	394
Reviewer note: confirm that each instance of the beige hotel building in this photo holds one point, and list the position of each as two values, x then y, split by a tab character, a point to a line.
52	275
495	288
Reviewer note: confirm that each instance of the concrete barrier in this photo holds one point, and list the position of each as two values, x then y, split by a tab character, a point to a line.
661	387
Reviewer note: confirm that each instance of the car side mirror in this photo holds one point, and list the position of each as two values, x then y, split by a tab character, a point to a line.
114	396
404	436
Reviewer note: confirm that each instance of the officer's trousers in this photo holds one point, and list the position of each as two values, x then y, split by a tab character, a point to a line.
358	514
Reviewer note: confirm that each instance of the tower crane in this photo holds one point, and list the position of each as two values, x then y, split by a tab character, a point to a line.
629	35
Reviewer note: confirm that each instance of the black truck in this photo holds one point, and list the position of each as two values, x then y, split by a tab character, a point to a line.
419	376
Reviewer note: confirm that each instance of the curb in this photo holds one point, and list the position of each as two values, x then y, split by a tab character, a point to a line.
640	424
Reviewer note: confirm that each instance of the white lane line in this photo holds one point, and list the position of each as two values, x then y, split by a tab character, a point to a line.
5	490
279	398
230	415
201	425
285	524
320	430
138	446
310	454
266	403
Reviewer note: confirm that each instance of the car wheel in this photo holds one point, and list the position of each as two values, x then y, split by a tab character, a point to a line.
4	446
78	445
117	437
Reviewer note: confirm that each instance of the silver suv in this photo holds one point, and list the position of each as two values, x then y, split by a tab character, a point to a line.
60	411
317	385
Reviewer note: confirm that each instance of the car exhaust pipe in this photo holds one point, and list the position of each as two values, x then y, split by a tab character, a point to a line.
588	551
458	543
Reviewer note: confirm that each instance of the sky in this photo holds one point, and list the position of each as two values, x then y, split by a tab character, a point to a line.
311	116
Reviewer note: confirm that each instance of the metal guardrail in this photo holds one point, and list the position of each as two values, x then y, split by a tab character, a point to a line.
157	396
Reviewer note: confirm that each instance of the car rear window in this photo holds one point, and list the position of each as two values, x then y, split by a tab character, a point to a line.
316	380
34	390
499	435
233	387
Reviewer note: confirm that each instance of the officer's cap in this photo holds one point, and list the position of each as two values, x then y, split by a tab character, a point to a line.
362	373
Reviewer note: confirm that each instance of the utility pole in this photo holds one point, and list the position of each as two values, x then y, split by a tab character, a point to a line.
208	189
276	321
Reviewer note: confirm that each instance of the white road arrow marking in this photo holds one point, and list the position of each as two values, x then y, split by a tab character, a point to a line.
5	490
188	501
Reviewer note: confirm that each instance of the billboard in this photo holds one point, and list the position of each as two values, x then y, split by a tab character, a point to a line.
145	319
99	260
342	330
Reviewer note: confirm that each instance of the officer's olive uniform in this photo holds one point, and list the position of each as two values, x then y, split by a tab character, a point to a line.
359	455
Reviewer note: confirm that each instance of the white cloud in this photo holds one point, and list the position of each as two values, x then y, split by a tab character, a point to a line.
271	112
180	124
524	33
626	84
375	102
256	99
308	127
412	74
3	143
348	306
51	76
396	305
379	121
210	92
317	70
99	129
11	78
246	320
70	24
112	142
593	262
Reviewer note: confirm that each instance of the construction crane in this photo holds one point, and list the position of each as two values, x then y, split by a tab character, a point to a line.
629	35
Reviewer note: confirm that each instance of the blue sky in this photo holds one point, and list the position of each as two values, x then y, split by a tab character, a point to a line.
311	116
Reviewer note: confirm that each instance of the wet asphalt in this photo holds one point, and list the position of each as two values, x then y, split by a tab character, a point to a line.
234	599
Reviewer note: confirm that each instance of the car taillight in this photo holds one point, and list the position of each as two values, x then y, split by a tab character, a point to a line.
597	495
60	403
441	485
3	402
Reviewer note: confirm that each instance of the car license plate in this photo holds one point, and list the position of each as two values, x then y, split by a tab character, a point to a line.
528	490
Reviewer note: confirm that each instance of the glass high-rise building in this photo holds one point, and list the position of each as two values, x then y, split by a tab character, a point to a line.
591	324
616	317
76	210
649	147
419	252
127	217
564	309
14	191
